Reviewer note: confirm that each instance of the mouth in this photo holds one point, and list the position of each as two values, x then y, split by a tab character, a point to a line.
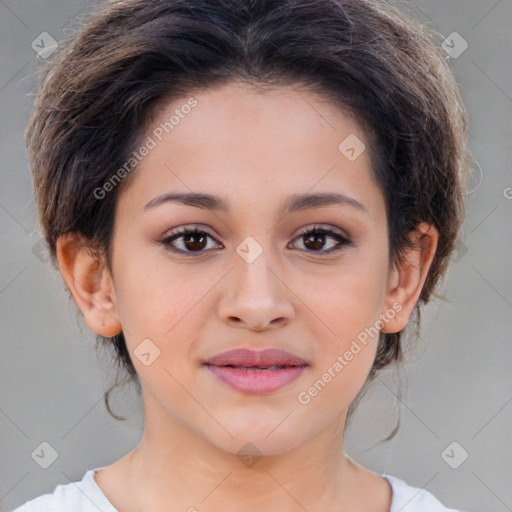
256	372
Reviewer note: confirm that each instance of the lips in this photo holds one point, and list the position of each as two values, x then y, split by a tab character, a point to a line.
256	372
241	358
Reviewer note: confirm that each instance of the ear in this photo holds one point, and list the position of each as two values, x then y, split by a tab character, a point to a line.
90	283
408	276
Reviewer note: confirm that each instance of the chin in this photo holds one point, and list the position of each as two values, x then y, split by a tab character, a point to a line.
258	442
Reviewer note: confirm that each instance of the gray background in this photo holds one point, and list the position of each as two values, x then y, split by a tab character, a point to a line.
459	384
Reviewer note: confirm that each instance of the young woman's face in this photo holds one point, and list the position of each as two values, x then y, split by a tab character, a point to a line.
255	277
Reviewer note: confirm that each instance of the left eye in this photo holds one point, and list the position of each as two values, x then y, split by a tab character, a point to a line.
196	241
317	237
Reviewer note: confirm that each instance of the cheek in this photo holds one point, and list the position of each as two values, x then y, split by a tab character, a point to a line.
151	292
350	308
164	303
350	303
351	298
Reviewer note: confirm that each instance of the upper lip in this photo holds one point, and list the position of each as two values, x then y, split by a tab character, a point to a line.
262	358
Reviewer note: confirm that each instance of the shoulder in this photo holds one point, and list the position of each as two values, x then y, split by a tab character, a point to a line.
65	497
413	499
80	496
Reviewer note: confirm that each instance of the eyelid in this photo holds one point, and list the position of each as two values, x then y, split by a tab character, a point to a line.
321	227
185	228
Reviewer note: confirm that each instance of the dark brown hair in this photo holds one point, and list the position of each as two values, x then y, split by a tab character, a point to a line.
98	93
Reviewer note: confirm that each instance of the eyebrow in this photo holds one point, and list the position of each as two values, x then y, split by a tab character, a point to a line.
293	203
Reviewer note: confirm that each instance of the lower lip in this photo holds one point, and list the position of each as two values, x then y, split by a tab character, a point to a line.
258	382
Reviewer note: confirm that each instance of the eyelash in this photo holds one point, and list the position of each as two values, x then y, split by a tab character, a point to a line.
181	232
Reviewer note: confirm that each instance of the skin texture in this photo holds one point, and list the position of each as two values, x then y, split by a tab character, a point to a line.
254	149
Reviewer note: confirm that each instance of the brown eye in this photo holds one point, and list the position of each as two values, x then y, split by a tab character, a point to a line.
314	240
191	241
195	241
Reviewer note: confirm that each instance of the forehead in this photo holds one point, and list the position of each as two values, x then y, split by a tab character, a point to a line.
240	140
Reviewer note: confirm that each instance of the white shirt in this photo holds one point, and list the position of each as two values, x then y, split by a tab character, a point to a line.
86	496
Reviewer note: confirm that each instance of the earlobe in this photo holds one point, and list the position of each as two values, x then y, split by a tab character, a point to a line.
90	283
408	277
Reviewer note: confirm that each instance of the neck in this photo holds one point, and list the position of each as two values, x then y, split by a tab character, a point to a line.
173	465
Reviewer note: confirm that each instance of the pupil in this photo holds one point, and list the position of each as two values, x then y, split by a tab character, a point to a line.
314	236
194	246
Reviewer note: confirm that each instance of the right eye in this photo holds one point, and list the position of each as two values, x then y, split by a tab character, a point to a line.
192	241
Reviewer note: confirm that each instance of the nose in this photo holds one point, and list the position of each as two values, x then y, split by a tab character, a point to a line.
255	297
